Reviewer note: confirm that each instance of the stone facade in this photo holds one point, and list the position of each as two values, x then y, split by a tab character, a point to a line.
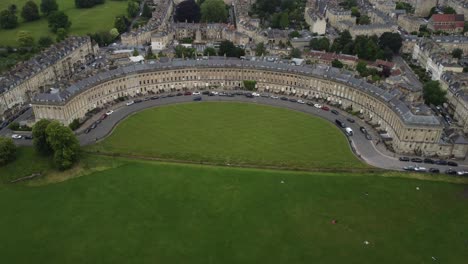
57	63
317	23
411	129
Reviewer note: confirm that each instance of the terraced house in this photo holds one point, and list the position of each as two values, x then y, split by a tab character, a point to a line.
408	128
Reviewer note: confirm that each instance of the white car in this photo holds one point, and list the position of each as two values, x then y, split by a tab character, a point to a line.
16	136
300	102
462	173
317	106
421	169
130	103
274	97
215	92
196	93
109	112
256	94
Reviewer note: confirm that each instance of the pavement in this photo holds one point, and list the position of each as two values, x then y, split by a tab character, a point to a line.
370	151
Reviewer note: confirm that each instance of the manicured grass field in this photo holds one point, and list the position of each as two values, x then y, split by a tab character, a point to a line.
146	212
88	20
232	133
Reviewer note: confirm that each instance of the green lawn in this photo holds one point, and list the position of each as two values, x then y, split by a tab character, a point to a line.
234	133
148	212
98	18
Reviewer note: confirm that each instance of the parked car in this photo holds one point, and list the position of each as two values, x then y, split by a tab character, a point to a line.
350	120
451	172
292	100
154	97
188	93
93	126
28	137
408	168
284	98
196	93
222	94
300	101
309	103
137	101
87	130
434	170
179	94
215	92
274	97
462	173
16	136
205	92
368	137
441	162
108	113
164	96
325	108
256	94
197	98
211	94
264	95
349	131
405	159
335	112
170	95
451	163
249	95
428	161
130	103
363	130
417	160
420	169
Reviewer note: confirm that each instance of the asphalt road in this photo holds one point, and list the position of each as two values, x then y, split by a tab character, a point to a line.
365	149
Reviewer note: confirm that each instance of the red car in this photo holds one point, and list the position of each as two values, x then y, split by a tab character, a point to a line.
325	108
188	93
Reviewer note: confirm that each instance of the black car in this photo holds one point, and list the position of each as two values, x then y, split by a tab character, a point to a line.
441	162
154	97
368	137
27	137
198	98
249	95
93	126
406	159
147	99
211	94
264	95
434	170
292	100
340	123
230	95
451	163
335	112
87	130
310	103
417	160
350	120
451	172
205	93
428	161
164	96
170	95
179	94
363	130
284	98
138	101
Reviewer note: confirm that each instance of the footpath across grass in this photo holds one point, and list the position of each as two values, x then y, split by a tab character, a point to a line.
232	133
150	212
84	20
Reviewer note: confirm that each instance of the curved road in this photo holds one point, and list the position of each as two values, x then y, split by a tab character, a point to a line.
367	150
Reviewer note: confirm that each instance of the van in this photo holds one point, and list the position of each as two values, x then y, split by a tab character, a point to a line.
340	123
349	131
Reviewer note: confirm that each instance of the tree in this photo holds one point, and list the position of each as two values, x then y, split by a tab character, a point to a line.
227	48
40	137
121	23
135	52
146	11
294	34
364	20
48	6
296	53
45	41
183	52
284	20
320	44
337	64
87	3
103	38
58	19
12	8
250	85
344	43
209	51
405	6
30	11
361	67
391	40
260	49
8	20
457	53
433	93
64	144
7	150
213	11
449	10
150	55
187	11
355	12
132	8
25	39
114	33
61	34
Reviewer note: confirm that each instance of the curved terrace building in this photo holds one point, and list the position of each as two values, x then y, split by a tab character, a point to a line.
410	130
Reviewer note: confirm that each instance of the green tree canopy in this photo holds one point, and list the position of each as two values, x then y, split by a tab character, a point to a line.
361	67
45	41
7	150
64	144
227	48
61	34
337	64
213	11
433	93
25	39
48	6
30	11
146	11
121	23
8	19
449	10
40	137
209	51
391	40
58	19
260	49
132	8
457	53
296	53
87	3
284	20
320	44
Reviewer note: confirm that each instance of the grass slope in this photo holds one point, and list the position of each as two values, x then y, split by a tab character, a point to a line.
144	212
87	20
235	133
